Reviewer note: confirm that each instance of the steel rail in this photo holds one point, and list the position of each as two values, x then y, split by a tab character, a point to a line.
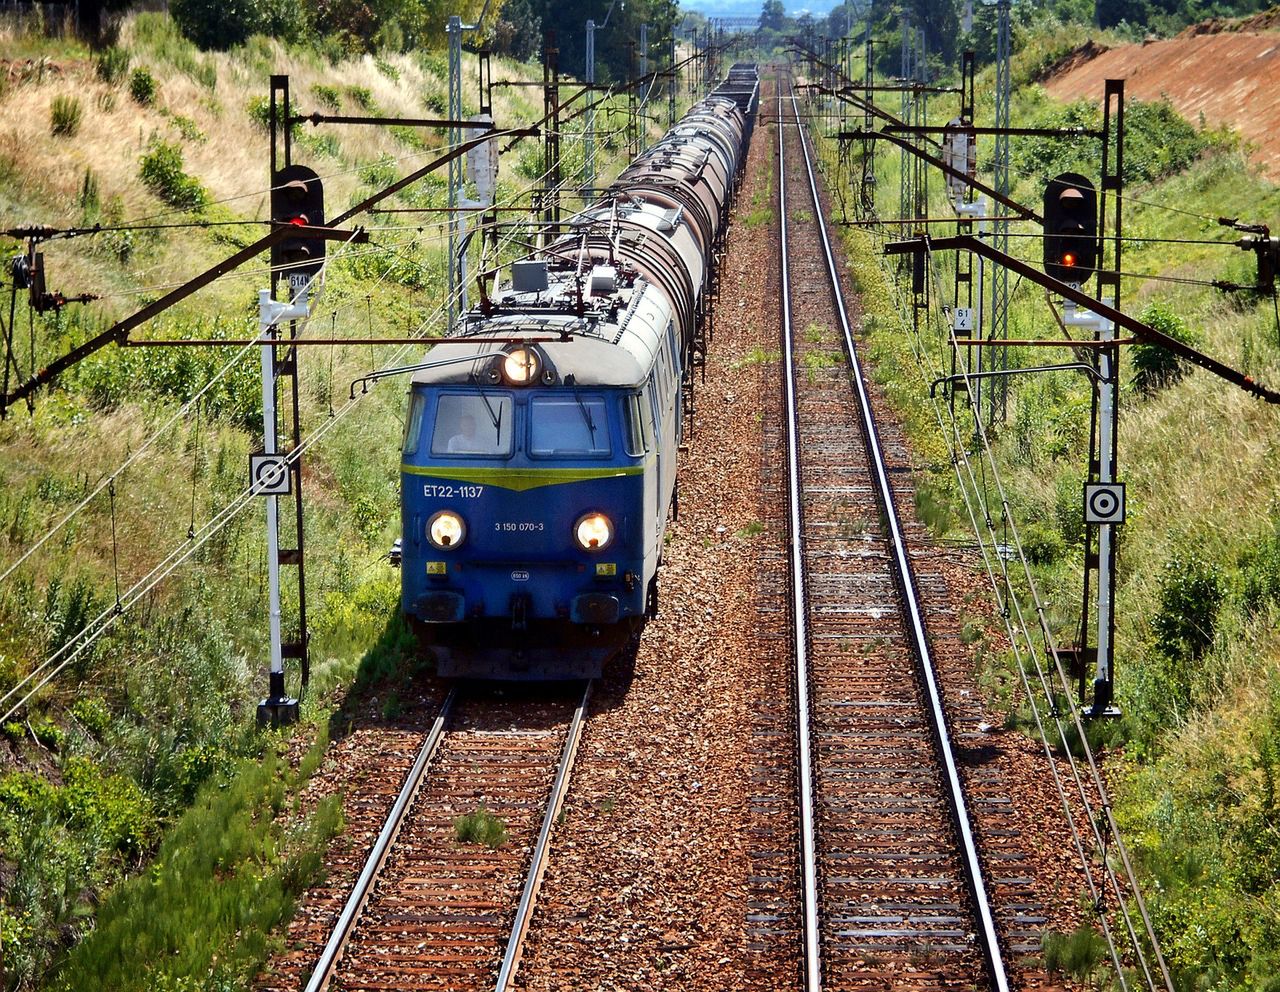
328	959
804	757
542	849
987	937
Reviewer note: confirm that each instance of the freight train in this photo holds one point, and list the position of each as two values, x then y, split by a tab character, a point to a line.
539	457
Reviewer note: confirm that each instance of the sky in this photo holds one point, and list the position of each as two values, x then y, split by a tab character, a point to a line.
751	8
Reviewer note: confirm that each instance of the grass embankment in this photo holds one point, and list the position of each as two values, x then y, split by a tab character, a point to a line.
1198	653
139	760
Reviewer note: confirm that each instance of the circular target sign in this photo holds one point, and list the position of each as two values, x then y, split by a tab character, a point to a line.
1104	503
269	475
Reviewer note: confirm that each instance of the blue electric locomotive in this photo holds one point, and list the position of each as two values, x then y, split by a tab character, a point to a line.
540	447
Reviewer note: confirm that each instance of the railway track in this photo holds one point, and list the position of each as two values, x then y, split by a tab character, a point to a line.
892	889
432	911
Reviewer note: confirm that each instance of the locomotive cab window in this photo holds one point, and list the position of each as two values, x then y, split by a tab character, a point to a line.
473	424
676	357
568	424
639	425
413	423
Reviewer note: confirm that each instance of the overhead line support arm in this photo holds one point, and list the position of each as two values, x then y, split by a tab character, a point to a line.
1143	332
119	331
1000	198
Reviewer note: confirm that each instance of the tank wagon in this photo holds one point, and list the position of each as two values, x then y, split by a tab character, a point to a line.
539	456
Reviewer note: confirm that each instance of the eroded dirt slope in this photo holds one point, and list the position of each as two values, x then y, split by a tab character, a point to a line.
1230	76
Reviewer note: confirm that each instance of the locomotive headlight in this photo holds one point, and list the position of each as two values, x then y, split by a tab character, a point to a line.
446	530
521	366
594	532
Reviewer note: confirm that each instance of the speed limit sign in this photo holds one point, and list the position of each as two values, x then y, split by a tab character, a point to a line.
1104	502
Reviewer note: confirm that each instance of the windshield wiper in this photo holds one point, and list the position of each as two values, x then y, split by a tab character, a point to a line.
586	415
494	418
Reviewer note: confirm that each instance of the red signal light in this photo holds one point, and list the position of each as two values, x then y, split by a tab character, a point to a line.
299	221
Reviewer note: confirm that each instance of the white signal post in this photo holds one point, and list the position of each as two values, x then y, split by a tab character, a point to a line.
457	232
277	708
1105	330
589	126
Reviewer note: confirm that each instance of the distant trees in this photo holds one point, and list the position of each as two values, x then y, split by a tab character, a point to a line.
773	16
522	25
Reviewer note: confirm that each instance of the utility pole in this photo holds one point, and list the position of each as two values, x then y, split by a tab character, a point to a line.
551	146
867	194
644	64
907	169
999	392
589	126
671	85
633	108
457	165
453	31
272	478
961	152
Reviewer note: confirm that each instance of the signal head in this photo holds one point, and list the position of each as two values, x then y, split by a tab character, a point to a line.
1070	228
297	199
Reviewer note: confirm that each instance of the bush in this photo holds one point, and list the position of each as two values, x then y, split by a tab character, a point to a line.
1158	142
1042	543
142	86
1192	590
327	96
259	110
115	376
112	64
1154	366
1260	567
216	24
161	172
92	714
1068	507
362	96
65	115
112	807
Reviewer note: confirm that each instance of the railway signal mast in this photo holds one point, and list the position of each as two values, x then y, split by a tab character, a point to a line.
1070	255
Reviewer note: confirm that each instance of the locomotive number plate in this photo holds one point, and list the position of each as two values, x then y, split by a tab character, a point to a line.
453	492
518	526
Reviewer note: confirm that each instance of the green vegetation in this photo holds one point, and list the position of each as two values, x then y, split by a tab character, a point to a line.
1155	367
160	170
1158	142
223	880
1078	953
480	827
815	362
327	96
65	115
142	86
111	64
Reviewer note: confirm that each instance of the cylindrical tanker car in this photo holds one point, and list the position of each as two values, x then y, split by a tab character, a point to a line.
539	454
